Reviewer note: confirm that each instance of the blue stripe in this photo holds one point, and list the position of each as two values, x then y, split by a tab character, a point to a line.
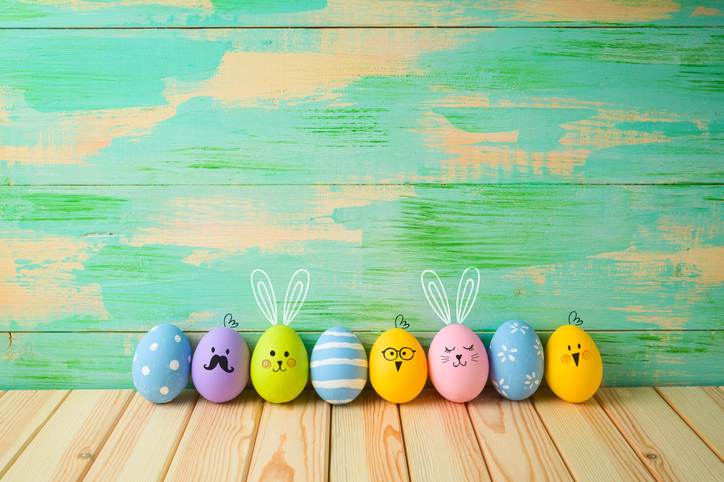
337	393
339	353
326	337
338	372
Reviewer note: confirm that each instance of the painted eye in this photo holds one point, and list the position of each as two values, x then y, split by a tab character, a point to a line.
469	348
579	346
449	350
569	347
286	353
390	354
272	353
227	351
213	349
407	353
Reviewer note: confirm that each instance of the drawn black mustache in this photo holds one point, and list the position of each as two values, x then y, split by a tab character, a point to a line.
221	361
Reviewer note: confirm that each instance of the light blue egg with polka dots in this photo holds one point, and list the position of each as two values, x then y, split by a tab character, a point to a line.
162	363
516	360
338	366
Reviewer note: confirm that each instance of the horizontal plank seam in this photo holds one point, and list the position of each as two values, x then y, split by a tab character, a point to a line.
380	184
312	332
684	419
107	436
369	27
33	435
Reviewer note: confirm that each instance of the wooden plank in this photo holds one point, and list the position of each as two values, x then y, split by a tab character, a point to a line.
624	257
431	426
100	360
68	443
343	106
661	439
218	441
702	408
588	441
367	441
293	441
203	13
22	414
514	441
144	441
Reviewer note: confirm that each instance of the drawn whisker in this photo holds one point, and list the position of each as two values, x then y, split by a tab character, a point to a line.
445	361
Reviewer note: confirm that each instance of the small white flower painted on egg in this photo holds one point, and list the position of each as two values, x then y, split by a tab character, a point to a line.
538	348
501	386
507	354
518	328
531	380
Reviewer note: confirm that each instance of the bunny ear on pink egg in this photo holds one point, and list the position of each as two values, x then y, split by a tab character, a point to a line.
458	362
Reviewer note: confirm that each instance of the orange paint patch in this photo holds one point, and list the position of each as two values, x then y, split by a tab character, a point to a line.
600	11
37	284
705	12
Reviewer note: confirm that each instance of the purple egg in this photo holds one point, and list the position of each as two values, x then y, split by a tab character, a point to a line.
220	366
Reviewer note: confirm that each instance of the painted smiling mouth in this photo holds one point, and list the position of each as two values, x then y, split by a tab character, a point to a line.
280	369
460	364
575	357
220	361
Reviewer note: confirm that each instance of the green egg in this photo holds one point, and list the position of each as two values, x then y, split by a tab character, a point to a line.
279	365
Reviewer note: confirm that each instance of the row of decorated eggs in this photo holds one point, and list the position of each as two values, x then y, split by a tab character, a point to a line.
457	362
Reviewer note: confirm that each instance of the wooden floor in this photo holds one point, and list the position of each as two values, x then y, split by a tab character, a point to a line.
622	434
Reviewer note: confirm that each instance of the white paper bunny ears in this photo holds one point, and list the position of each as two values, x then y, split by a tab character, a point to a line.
437	297
266	298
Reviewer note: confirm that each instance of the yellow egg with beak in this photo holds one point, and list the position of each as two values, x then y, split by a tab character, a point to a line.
573	365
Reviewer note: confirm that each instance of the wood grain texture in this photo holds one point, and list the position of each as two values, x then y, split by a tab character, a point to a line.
702	408
101	360
440	442
292	443
514	441
22	415
218	441
370	106
194	13
668	447
68	443
144	441
102	258
594	450
367	442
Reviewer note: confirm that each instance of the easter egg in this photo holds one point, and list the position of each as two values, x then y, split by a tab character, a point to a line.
574	368
516	360
279	365
338	366
458	363
220	366
398	366
161	364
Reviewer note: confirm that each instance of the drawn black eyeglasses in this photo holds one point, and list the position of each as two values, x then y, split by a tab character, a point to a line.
404	353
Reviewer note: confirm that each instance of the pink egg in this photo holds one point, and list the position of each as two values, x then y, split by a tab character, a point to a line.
220	367
458	363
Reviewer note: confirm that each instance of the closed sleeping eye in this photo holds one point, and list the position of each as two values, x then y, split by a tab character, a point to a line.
449	350
469	348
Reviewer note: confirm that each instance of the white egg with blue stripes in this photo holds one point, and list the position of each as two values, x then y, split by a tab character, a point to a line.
338	366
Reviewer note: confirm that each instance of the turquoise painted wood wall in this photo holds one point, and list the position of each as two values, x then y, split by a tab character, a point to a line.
153	153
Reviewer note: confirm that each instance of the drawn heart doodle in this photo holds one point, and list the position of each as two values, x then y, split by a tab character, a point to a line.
229	321
573	319
400	322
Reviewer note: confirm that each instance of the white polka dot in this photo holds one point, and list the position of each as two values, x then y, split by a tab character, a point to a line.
163	390
177	338
173	365
145	370
154	346
189	358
